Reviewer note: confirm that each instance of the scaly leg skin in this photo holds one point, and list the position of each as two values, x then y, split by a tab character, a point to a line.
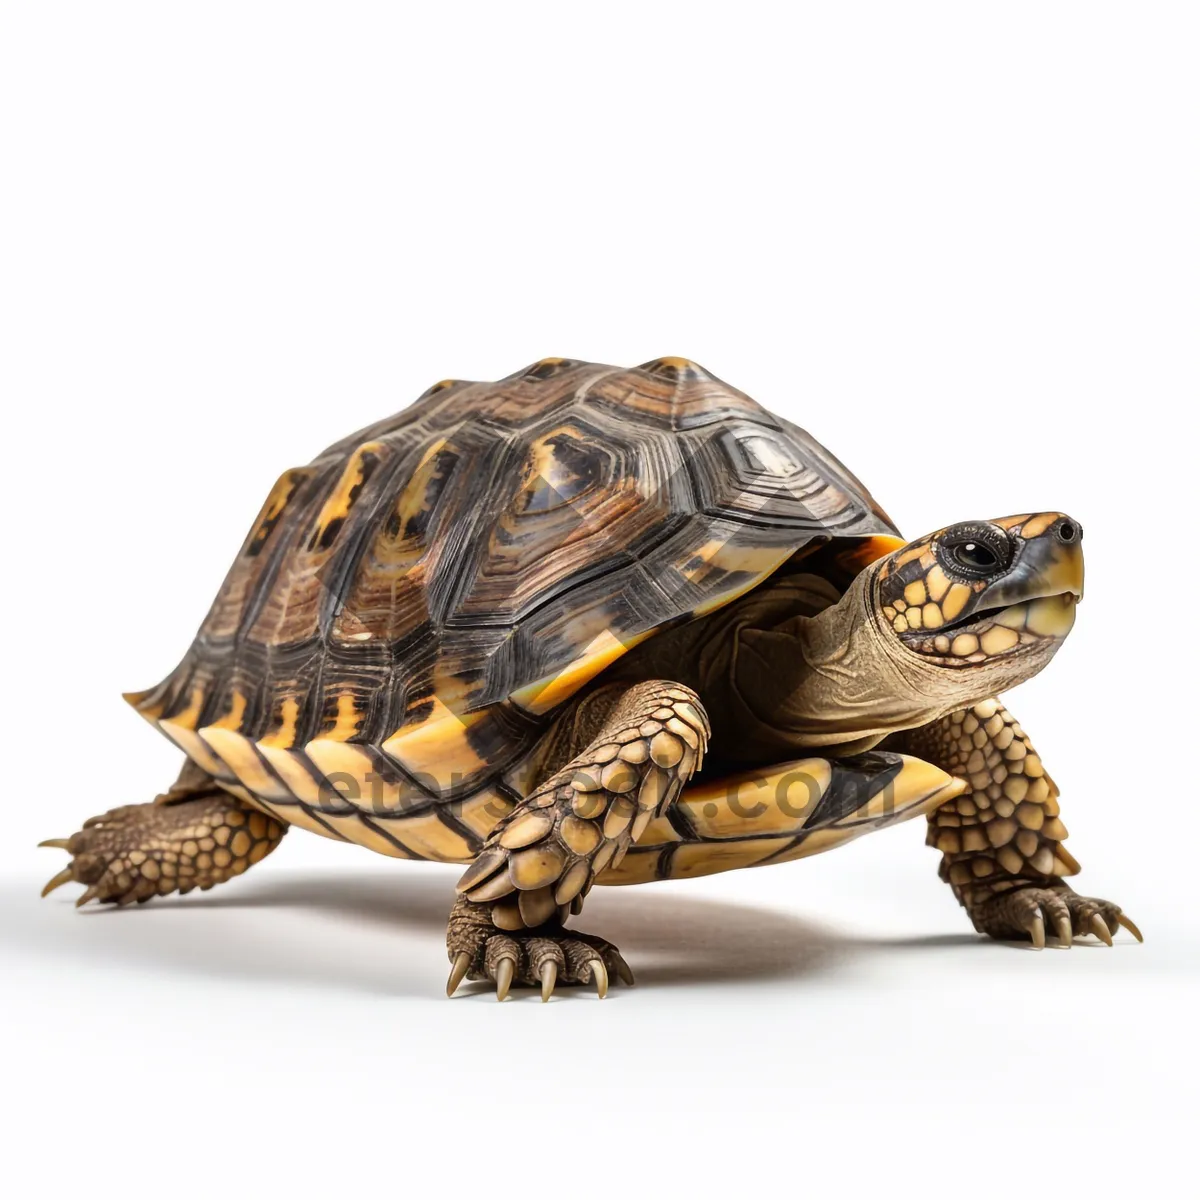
539	863
194	836
1001	841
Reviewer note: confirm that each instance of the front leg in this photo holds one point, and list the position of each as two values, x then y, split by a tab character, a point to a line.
642	745
1001	841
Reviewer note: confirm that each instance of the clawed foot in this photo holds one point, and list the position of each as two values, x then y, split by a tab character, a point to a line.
1028	912
97	862
142	850
541	957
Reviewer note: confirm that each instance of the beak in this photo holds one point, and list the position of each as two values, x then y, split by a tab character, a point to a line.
1049	564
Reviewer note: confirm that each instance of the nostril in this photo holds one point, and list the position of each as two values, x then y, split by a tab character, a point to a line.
1068	531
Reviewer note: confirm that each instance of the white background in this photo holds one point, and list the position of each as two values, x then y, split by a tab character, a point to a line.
956	242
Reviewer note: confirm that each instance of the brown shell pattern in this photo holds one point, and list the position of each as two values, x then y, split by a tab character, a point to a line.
408	608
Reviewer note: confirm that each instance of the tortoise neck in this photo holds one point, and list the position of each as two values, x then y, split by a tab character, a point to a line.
856	683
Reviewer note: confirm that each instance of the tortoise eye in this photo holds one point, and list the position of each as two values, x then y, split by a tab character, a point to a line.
976	556
974	550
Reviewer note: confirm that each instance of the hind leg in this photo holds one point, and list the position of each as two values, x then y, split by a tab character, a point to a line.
193	836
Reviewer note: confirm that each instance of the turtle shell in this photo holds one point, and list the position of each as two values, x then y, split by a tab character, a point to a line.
409	609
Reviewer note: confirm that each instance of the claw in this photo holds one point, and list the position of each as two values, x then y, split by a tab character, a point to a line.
458	972
64	876
1122	919
600	976
1036	928
90	894
549	975
623	971
1100	929
56	843
1062	926
504	977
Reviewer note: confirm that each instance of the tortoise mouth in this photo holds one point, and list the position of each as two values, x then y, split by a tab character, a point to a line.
1001	631
1047	616
971	620
1016	616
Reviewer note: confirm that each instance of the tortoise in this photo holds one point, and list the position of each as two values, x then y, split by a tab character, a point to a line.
595	625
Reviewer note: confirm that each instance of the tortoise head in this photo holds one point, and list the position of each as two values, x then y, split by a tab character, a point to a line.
944	622
994	596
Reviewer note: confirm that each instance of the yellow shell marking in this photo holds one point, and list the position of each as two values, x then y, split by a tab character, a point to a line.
411	504
285	734
297	816
181	729
756	809
865	551
354	829
338	506
354	777
288	765
437	749
427	837
780	800
140	701
708	858
347	721
484	811
633	868
276	501
238	754
545	694
724	557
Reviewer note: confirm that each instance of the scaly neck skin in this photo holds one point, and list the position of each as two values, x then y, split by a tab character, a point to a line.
853	682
